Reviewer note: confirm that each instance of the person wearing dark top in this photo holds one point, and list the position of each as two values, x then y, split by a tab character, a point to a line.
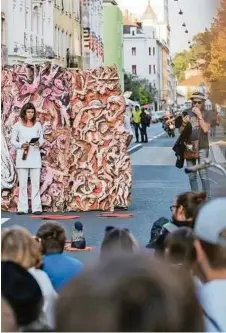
184	211
145	122
200	120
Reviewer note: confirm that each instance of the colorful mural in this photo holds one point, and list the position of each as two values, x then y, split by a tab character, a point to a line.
85	161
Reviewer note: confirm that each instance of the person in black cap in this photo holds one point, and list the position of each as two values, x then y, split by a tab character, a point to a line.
22	292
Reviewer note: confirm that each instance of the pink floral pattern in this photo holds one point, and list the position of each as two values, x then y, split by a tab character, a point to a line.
85	161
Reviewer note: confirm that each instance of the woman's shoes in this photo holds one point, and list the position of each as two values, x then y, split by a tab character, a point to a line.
37	213
21	213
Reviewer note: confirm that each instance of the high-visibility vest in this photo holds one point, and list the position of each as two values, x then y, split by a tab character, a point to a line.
136	116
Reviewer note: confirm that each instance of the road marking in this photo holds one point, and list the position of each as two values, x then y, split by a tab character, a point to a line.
4	220
134	148
155	137
213	181
149	140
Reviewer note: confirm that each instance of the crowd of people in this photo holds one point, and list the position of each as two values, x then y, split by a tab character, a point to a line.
176	283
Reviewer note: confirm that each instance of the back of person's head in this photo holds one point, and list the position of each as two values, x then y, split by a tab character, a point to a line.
22	292
129	294
8	320
190	202
137	108
52	237
19	246
117	240
210	230
179	247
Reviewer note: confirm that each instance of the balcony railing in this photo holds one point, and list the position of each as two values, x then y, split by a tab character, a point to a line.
74	62
40	51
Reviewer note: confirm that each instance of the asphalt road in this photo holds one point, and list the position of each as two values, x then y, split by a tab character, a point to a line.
156	181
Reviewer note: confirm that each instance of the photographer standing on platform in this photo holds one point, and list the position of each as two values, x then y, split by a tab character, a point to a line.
27	137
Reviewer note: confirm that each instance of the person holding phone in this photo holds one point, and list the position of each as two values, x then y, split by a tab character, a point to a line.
27	138
200	119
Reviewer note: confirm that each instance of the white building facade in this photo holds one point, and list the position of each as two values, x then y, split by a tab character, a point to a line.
140	52
30	30
144	49
92	24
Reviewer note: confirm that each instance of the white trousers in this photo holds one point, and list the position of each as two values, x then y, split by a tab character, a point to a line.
35	190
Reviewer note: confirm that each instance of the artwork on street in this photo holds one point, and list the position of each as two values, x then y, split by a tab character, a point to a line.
85	161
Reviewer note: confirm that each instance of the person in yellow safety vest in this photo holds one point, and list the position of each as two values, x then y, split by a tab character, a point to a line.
136	120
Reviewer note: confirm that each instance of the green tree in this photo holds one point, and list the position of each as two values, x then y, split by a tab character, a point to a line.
143	96
181	63
142	90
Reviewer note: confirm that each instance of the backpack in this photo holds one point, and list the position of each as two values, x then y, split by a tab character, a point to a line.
145	119
157	228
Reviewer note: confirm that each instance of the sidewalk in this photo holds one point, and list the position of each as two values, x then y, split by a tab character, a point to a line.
218	151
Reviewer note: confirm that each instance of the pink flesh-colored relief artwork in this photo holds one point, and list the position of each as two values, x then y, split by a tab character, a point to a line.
85	160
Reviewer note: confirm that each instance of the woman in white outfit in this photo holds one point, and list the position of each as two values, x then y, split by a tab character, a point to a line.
28	159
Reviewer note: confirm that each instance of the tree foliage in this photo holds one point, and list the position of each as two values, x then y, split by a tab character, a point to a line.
216	69
181	63
142	90
210	47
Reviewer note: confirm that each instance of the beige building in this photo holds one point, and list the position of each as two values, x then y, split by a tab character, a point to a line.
67	33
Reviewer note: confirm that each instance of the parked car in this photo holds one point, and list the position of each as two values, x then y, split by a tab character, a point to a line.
160	115
154	117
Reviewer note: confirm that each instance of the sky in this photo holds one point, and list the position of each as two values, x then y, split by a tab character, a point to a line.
198	15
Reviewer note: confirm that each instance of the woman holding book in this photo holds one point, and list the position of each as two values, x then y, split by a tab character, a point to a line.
27	138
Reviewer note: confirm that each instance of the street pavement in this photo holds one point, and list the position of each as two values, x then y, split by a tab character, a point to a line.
156	182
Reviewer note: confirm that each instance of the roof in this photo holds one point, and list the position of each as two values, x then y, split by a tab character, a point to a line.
126	29
195	80
149	13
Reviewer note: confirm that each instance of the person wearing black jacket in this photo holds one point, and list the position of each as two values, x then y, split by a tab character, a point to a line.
145	122
185	128
184	211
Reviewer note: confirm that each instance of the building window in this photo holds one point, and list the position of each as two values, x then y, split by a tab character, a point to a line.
134	69
149	69
134	51
154	69
149	51
153	51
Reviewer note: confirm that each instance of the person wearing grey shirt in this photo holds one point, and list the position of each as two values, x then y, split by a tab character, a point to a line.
200	119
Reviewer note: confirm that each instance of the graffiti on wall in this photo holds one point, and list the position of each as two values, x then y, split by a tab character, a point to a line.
85	161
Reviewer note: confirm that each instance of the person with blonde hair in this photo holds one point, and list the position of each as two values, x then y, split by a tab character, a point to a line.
18	246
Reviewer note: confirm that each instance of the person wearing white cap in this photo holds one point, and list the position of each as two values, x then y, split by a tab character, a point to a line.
210	231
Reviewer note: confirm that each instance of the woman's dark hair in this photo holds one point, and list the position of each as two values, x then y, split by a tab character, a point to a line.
28	106
129	293
179	246
52	237
191	202
117	240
